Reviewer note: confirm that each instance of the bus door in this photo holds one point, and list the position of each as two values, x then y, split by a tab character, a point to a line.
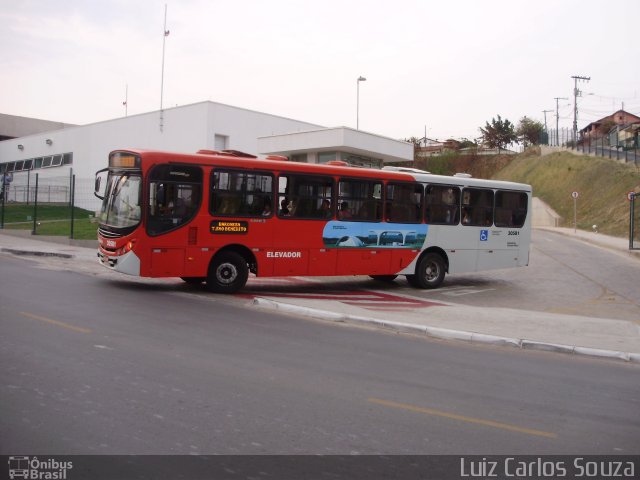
174	198
498	218
509	233
477	224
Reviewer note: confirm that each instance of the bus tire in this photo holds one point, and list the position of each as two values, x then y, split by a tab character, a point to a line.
429	272
411	279
228	273
384	278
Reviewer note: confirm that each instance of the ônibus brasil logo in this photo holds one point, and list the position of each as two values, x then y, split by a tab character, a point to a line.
36	469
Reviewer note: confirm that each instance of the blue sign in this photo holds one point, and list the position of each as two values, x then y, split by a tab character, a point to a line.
484	235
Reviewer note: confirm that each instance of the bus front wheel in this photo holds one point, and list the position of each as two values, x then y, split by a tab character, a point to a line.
228	273
429	272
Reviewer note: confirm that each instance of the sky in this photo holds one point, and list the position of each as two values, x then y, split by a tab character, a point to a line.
445	67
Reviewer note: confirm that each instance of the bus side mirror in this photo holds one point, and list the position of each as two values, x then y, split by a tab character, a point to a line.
98	189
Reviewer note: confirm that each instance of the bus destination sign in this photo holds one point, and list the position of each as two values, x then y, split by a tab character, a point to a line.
225	226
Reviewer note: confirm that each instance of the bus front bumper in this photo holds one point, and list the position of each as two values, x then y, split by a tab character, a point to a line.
128	263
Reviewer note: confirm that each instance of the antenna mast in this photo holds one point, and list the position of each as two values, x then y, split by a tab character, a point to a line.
126	99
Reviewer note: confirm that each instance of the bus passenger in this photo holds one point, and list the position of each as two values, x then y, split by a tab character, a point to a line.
293	204
266	211
325	209
284	207
466	218
345	214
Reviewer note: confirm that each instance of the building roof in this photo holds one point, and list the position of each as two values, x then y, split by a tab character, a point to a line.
14	126
342	139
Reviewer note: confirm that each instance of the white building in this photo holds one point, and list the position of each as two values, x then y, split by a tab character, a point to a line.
82	150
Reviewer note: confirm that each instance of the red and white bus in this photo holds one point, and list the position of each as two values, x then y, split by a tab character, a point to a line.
216	217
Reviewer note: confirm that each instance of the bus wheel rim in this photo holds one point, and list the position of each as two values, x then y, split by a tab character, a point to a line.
431	272
226	273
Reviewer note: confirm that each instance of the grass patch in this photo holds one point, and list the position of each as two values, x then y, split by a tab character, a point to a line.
478	166
51	220
602	184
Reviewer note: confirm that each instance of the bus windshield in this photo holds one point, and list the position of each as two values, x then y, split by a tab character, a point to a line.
121	204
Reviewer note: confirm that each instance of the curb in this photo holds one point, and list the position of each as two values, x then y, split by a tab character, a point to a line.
36	253
447	334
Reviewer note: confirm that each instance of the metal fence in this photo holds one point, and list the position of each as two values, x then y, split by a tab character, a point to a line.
48	205
597	146
561	137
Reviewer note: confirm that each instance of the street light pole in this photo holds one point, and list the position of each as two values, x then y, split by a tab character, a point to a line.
360	79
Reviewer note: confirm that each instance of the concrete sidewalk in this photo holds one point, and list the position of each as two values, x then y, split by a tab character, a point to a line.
617	244
617	339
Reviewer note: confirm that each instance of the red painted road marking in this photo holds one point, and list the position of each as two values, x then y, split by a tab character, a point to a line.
307	290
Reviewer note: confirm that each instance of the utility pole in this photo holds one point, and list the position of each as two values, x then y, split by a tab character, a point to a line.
360	79
576	94
546	132
545	118
165	34
558	118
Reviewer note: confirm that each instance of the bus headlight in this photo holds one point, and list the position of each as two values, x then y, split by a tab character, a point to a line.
127	247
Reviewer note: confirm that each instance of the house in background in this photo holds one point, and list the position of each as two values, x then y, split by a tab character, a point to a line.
625	136
601	128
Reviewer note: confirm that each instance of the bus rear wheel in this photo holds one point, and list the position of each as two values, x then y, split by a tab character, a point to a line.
429	272
228	273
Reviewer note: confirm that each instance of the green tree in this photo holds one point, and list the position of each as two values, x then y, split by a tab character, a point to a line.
499	133
466	143
530	132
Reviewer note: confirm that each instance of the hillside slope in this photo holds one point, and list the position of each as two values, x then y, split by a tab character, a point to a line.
601	183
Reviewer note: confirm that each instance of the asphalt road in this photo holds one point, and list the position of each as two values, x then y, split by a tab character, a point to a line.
95	364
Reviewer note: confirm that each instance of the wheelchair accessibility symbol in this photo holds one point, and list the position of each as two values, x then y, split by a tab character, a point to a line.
484	235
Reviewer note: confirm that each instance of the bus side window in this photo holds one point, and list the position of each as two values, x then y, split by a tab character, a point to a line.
477	207
511	209
360	200
241	194
305	196
404	203
442	204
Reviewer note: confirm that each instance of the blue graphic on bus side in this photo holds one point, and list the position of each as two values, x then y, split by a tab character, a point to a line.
484	235
340	234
